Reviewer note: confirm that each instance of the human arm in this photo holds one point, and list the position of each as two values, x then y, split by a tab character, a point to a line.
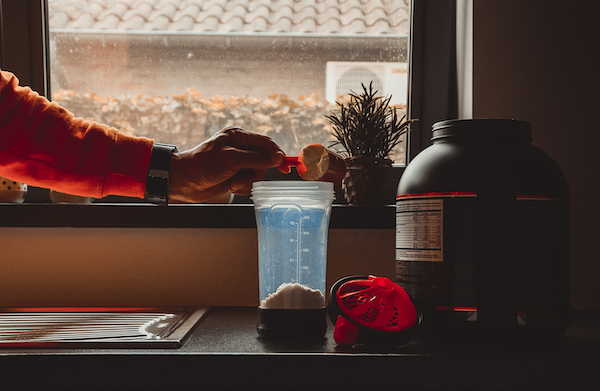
44	145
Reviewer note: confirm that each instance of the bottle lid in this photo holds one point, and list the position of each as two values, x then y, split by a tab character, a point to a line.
320	190
483	129
372	310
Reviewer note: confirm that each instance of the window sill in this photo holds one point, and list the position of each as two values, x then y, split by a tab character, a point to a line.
130	215
122	212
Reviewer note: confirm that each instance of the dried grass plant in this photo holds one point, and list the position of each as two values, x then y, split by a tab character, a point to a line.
367	125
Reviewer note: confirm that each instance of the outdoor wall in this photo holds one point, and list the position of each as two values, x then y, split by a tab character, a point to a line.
536	61
113	64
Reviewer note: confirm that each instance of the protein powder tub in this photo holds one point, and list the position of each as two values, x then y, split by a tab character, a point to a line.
482	234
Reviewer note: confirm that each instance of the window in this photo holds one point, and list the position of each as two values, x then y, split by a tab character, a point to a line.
28	52
179	71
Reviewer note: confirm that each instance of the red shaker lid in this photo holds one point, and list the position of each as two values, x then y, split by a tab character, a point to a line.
372	310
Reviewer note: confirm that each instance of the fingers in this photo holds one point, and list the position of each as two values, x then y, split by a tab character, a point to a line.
241	183
277	159
289	161
239	159
231	160
250	155
250	141
215	191
285	169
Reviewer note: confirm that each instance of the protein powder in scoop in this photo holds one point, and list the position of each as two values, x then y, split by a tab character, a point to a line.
317	163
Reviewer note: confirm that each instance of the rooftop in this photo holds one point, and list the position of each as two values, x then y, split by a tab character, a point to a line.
234	16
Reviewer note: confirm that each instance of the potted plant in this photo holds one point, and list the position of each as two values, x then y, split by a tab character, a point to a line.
367	128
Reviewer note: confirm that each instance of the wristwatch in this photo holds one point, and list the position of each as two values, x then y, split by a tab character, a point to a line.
157	183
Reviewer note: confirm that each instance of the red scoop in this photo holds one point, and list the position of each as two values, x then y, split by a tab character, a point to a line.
317	163
294	161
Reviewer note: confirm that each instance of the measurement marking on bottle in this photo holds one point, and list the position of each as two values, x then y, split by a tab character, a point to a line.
298	248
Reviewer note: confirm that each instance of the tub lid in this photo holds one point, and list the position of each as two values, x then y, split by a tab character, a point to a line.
293	188
483	128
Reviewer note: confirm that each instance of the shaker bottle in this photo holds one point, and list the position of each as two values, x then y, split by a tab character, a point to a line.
292	218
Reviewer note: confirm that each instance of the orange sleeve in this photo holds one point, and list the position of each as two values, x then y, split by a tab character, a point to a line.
42	144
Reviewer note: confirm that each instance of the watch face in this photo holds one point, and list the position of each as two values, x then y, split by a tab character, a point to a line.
157	183
156	188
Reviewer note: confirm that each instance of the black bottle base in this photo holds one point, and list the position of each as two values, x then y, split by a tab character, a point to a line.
541	330
292	324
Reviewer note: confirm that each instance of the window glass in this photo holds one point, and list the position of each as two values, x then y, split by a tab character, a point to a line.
179	70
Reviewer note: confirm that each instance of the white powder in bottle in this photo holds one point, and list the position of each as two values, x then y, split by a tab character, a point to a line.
294	296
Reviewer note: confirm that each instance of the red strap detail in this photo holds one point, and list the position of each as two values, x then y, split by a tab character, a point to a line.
345	332
382	299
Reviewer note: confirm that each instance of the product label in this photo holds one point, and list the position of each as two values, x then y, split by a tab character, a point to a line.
454	252
419	230
428	226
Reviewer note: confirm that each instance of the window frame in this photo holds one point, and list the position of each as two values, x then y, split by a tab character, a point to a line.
433	96
24	42
433	92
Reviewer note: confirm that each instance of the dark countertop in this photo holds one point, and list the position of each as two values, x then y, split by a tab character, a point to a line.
225	352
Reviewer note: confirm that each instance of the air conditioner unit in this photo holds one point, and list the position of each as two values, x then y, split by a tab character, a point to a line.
389	78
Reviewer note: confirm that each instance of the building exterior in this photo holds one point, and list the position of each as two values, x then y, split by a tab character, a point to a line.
228	47
250	50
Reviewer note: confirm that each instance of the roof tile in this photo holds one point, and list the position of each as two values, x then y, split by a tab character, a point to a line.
165	9
331	26
305	12
231	4
143	10
262	11
306	25
61	18
108	22
83	22
232	23
355	25
254	4
380	27
257	25
283	25
352	15
277	16
215	10
159	23
94	8
184	23
133	22
164	3
327	15
210	23
377	15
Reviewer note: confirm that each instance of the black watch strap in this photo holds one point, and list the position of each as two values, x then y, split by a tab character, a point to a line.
157	183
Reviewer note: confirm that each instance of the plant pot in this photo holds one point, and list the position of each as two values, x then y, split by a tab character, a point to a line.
367	181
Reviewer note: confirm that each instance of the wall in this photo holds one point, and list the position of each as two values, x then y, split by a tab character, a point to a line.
116	64
537	61
533	60
153	267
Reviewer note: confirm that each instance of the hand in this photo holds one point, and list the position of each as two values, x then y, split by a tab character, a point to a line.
230	161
